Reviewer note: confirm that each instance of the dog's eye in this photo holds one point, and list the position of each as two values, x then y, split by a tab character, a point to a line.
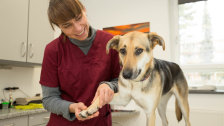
138	51
123	51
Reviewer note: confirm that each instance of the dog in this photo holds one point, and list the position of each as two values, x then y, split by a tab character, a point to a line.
150	82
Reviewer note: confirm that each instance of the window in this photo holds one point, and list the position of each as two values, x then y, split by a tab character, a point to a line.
201	42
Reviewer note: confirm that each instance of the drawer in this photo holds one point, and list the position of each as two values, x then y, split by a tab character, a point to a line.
17	121
38	119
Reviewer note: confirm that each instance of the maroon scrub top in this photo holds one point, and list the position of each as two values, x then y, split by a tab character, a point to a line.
78	75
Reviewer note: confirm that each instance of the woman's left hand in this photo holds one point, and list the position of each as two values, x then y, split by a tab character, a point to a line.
105	93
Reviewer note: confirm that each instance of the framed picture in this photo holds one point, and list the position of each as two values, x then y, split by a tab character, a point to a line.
123	29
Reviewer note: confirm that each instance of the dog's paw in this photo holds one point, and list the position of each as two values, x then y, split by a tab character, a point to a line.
90	110
83	114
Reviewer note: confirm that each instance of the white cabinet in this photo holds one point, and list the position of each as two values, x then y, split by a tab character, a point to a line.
17	121
39	119
40	32
13	29
24	30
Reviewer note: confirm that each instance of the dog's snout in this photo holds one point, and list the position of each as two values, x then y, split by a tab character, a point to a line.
127	73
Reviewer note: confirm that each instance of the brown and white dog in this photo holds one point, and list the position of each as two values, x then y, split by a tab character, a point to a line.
150	82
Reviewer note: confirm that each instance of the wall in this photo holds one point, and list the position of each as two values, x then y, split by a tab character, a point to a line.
26	78
106	13
205	110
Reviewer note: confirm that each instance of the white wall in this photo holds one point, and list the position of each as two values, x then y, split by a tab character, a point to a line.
26	78
205	110
106	13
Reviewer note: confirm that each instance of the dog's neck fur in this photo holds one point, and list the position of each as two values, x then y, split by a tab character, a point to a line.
147	74
148	71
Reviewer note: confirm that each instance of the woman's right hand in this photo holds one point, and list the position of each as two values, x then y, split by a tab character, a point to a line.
77	108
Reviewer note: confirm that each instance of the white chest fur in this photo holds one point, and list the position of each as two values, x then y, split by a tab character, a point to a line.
143	93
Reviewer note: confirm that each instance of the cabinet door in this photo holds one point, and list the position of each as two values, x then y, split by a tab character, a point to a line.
13	29
39	119
40	32
17	121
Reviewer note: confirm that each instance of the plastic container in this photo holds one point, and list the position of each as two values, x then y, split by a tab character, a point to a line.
5	105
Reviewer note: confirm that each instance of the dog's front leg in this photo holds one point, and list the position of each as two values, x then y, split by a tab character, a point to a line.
123	97
151	117
120	99
150	110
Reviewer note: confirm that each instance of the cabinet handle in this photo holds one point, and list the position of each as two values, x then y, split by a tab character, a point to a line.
12	124
31	50
23	49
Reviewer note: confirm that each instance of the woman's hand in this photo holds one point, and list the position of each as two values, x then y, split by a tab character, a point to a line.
77	108
105	93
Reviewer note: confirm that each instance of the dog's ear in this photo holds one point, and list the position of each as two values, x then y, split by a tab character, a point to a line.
113	43
156	39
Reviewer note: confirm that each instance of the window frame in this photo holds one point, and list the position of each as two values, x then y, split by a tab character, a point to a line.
175	44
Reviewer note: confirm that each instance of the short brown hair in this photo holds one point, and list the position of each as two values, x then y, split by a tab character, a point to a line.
60	11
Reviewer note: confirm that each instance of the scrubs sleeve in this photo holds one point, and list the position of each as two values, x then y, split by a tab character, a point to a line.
113	84
53	102
49	71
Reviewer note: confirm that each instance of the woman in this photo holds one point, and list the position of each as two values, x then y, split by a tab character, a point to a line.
76	68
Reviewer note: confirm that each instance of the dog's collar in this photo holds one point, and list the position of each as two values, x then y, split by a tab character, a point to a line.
148	73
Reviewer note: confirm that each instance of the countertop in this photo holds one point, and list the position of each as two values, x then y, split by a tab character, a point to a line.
10	113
